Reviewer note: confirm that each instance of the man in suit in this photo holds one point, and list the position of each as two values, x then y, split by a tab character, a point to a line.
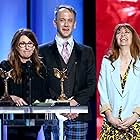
65	53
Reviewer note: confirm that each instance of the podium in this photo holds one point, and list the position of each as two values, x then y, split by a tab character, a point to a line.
38	110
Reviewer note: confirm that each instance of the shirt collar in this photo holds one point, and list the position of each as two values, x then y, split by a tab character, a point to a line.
60	41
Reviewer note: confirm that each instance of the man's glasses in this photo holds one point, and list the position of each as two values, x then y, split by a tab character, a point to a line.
24	44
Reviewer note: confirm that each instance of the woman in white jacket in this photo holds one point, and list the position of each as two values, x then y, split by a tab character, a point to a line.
119	86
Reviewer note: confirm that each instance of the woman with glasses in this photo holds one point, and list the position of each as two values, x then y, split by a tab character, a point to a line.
28	77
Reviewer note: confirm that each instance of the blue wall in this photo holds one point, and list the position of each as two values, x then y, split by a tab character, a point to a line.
42	16
13	16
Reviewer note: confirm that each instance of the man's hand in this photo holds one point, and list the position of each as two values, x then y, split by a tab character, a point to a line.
73	102
71	116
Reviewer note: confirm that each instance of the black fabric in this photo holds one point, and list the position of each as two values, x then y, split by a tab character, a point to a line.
38	84
69	81
83	71
38	92
24	133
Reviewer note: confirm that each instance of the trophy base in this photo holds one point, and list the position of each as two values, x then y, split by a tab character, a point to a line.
6	101
62	103
62	98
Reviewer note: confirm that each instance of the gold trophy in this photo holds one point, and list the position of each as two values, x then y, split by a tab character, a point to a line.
6	100
62	76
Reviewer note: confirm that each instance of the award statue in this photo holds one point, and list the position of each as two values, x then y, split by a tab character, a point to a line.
62	76
6	100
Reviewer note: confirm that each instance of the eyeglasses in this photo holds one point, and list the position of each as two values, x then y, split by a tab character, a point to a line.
24	44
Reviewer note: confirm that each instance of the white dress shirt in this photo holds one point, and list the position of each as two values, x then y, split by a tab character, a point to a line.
60	41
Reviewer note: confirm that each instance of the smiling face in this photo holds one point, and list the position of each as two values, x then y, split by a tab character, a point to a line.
65	23
124	37
25	48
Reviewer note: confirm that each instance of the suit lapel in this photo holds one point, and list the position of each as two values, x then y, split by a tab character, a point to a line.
116	78
77	64
56	55
115	75
130	80
78	59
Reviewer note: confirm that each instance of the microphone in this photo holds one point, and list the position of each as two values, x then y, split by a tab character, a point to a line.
29	76
29	63
29	69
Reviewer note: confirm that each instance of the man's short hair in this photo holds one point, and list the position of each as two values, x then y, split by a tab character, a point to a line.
68	7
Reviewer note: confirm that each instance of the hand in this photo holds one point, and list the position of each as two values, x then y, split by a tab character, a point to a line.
73	102
19	101
129	121
115	122
70	116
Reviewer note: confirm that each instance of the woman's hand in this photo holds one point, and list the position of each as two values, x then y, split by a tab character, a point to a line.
114	121
19	101
129	121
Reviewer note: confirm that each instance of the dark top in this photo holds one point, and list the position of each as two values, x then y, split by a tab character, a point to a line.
81	73
32	87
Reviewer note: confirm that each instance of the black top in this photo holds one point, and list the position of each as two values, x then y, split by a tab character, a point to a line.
33	87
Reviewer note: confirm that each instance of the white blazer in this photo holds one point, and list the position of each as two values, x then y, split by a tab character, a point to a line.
109	87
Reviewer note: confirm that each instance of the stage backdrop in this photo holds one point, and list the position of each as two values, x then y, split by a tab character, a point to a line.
34	14
12	17
108	14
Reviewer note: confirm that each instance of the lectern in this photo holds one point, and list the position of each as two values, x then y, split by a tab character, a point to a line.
39	110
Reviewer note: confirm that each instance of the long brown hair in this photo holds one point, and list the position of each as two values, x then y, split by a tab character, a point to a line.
13	56
134	48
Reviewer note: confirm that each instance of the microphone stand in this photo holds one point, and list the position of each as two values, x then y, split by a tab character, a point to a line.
29	78
29	70
30	91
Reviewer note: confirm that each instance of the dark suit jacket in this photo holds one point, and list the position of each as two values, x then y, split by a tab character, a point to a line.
84	64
